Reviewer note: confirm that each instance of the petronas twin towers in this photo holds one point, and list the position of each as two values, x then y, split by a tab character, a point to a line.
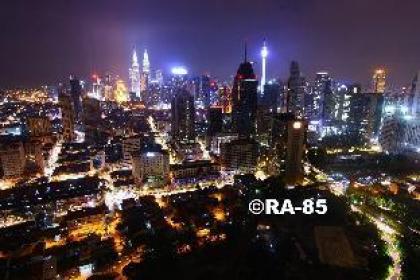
139	81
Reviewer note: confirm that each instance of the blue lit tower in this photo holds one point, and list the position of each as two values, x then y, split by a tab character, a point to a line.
264	54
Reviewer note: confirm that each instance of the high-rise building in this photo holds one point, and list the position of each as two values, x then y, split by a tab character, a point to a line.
296	91
67	116
97	88
225	98
205	90
244	97
271	100
296	133
379	81
264	54
76	94
323	102
400	131
183	116
134	73
145	73
364	114
92	118
12	158
159	77
215	121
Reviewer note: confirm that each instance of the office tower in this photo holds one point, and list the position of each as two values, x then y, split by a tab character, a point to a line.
108	88
205	89
359	113
183	116
225	98
76	94
215	121
134	74
296	133
400	131
67	116
323	105
271	100
12	158
144	79
379	81
130	145
152	164
159	77
244	100
343	96
296	90
97	88
92	118
264	54
240	155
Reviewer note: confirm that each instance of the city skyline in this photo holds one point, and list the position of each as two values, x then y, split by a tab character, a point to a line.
235	139
94	39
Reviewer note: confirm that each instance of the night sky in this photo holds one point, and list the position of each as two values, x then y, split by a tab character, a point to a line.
42	42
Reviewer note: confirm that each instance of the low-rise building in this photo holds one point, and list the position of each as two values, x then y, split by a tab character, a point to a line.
195	169
13	159
151	164
240	155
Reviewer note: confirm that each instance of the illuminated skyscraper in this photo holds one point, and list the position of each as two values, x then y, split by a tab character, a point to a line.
323	106
144	81
264	54
159	77
379	81
244	99
146	62
134	73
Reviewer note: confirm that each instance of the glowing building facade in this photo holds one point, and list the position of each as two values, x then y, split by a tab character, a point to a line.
379	81
144	79
134	73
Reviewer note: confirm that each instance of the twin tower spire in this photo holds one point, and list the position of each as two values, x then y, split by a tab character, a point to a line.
146	62
139	81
